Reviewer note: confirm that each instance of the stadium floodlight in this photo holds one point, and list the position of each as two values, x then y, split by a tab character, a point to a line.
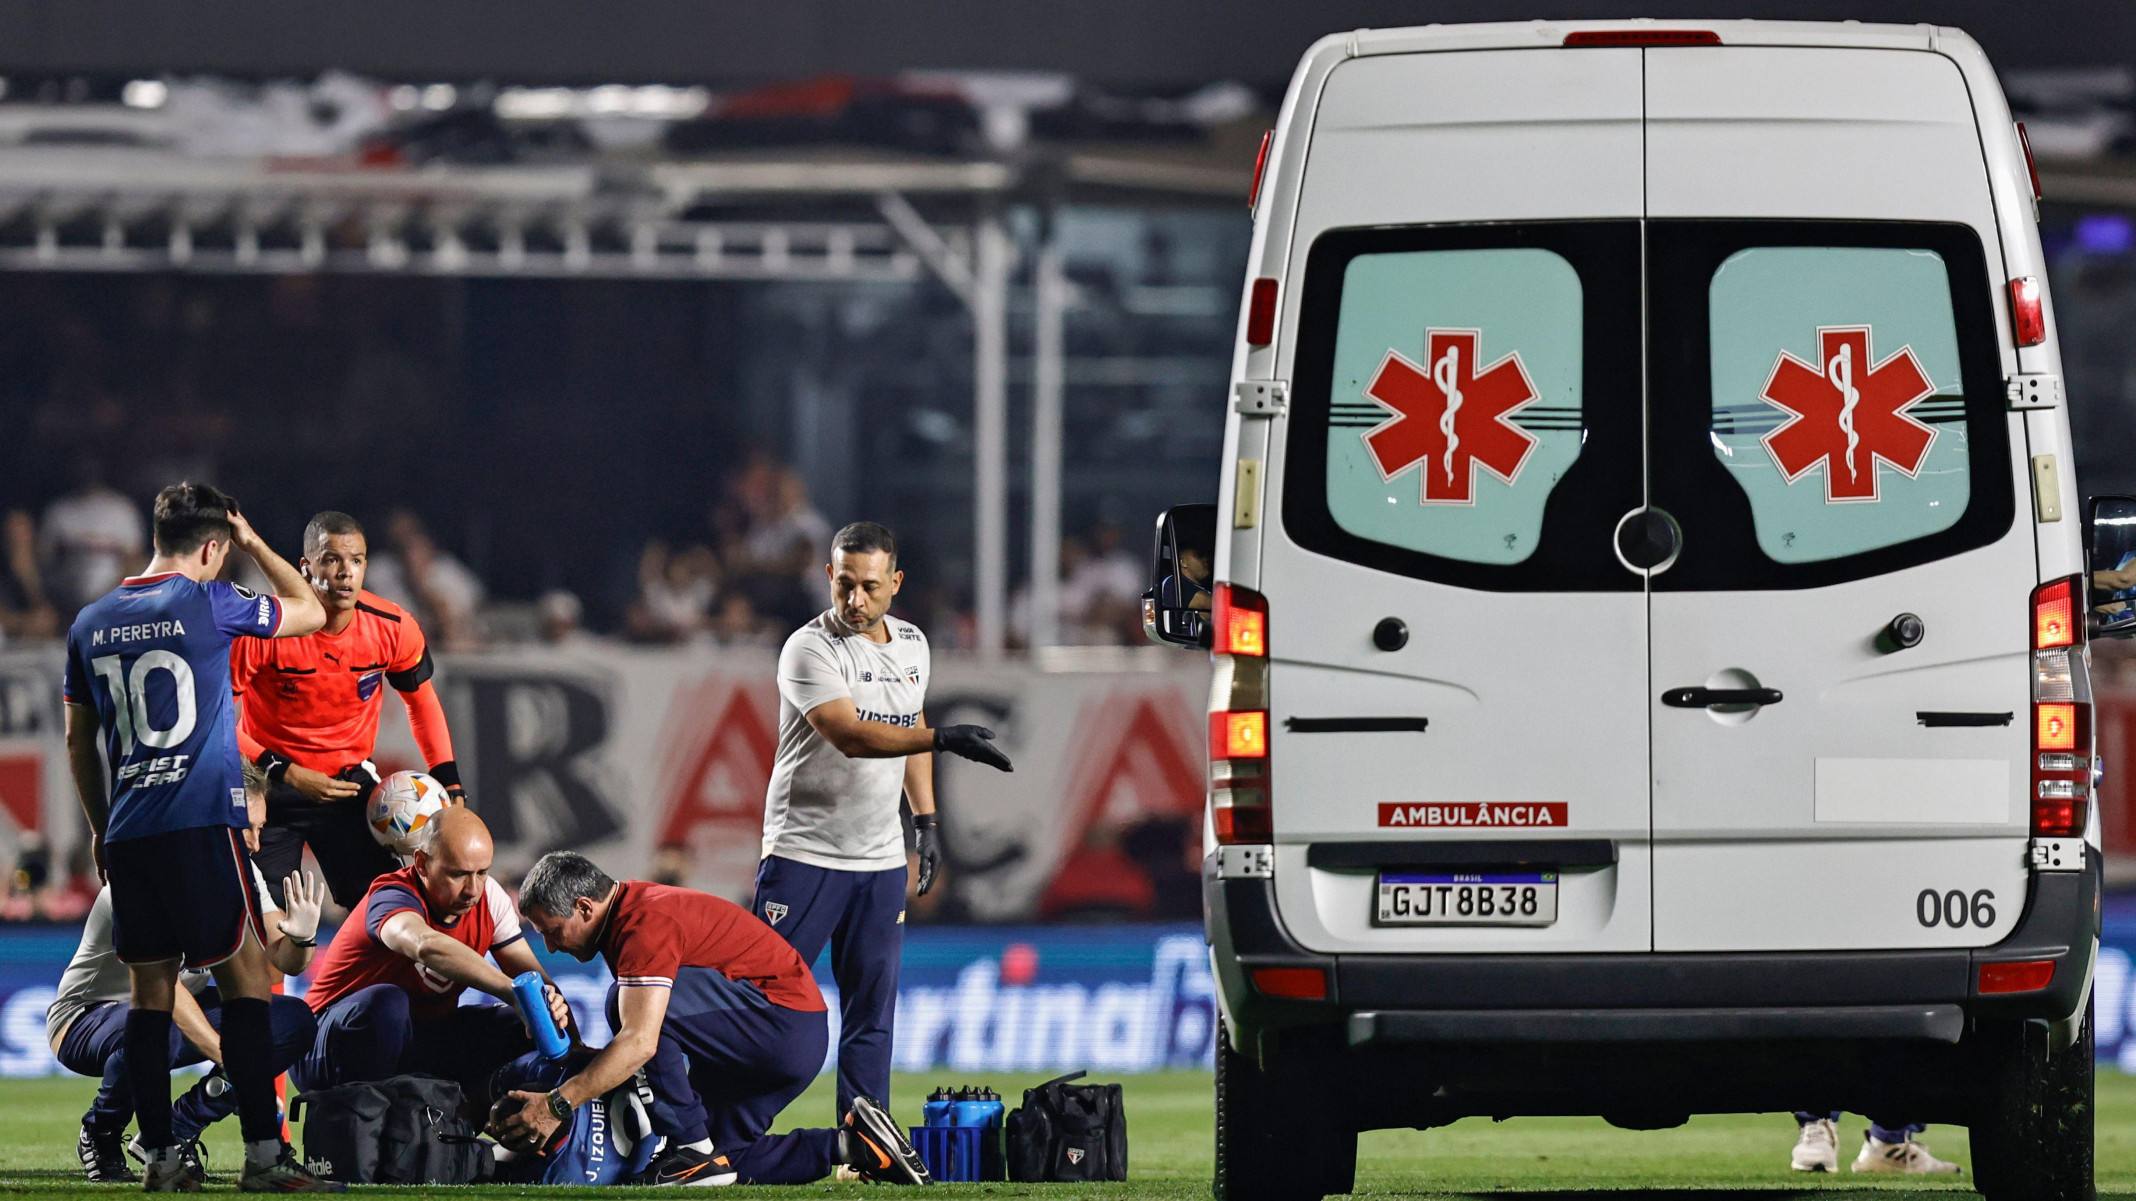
145	93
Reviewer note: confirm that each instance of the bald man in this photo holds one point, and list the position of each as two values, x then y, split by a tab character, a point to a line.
387	989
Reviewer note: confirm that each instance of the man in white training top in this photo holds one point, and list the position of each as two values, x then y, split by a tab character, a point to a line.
853	737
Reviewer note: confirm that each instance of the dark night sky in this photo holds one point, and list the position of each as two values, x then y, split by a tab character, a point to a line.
1161	44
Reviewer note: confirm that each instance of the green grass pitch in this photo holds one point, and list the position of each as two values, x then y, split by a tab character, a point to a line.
1168	1132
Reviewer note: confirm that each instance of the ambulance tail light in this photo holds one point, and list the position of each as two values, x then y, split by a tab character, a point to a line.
1238	775
1291	983
2061	718
1261	313
2027	311
2022	975
1241	617
1643	37
1238	717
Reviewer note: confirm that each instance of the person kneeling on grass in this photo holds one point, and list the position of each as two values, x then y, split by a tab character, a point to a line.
725	1020
387	990
87	1024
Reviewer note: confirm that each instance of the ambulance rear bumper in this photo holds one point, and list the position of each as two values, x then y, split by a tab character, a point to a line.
1929	996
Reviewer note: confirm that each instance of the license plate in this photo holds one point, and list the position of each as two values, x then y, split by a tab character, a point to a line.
1467	899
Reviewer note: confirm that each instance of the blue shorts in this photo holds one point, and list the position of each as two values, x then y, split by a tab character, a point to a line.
182	894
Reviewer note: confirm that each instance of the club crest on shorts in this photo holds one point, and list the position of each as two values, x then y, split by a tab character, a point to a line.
773	911
1075	1155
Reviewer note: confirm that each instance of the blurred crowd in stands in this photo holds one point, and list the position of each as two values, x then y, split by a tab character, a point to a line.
754	574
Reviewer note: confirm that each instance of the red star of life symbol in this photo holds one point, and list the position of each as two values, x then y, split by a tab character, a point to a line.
1450	416
1847	412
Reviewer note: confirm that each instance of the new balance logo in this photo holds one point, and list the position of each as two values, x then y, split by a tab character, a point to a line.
773	911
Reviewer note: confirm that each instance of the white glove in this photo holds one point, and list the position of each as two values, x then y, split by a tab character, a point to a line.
305	894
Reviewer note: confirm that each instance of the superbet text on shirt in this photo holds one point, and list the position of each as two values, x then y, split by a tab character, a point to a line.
153	657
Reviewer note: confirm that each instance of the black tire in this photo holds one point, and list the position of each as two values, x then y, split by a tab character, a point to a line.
1279	1137
2033	1137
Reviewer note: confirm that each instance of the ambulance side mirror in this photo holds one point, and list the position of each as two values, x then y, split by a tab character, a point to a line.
2110	543
1175	608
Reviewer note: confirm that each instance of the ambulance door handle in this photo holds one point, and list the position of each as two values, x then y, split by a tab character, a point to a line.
1706	698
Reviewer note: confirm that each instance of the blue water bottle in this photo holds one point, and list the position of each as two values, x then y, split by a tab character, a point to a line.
534	1007
936	1112
993	1163
967	1111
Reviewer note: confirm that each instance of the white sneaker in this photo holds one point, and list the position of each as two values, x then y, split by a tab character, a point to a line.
1818	1148
1906	1157
168	1172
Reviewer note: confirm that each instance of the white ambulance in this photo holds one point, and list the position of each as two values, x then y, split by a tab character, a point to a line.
1649	602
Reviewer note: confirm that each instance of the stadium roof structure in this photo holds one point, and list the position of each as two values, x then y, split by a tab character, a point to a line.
850	216
831	216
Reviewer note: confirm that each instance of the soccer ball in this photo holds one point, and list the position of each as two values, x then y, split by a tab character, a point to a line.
401	806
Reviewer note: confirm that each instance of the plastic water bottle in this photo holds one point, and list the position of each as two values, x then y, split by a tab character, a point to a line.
534	1007
992	1160
968	1111
937	1110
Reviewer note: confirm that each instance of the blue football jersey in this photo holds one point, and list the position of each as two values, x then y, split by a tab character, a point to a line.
153	657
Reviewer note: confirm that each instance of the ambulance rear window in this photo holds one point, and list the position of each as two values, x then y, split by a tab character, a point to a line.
1825	399
1466	403
1838	407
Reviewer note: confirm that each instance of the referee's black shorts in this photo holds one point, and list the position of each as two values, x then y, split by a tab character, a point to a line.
339	838
183	894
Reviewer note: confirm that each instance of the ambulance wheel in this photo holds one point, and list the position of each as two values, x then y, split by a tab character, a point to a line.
1277	1139
2032	1137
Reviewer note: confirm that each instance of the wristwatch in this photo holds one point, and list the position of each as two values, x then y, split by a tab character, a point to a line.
559	1107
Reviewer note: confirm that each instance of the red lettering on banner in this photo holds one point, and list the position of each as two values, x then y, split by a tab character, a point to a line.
22	788
722	783
1147	767
1148	770
2114	727
1508	814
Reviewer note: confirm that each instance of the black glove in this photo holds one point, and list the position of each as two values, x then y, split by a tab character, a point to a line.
364	776
975	743
927	844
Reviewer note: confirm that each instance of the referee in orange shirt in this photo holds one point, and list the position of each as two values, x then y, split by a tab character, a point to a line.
310	715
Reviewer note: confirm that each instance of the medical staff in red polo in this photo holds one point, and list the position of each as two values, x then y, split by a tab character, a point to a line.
724	1019
387	989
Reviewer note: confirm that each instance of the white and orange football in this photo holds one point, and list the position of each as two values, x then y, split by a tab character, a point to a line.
401	806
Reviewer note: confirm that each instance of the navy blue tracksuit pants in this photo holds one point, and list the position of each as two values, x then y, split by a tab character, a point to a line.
1883	1132
728	1062
370	1035
861	915
95	1045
